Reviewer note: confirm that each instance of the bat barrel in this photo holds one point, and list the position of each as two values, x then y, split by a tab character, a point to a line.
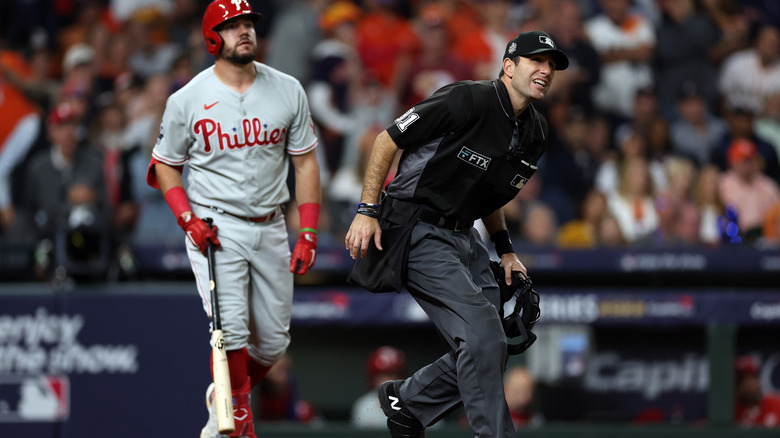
222	389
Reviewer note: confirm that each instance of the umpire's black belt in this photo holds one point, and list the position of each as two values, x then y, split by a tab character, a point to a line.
430	216
433	218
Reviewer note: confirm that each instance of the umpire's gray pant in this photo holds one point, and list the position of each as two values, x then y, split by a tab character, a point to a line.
449	276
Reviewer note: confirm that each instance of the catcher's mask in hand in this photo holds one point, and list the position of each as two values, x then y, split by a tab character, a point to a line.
526	312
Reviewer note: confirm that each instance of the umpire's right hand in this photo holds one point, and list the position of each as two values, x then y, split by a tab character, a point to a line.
359	236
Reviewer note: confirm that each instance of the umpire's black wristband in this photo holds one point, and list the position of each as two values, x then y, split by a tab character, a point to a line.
502	242
368	212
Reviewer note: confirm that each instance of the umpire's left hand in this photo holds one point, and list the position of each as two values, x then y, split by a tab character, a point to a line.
510	262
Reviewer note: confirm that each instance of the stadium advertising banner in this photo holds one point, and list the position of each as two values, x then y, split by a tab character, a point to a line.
135	361
644	375
636	307
77	365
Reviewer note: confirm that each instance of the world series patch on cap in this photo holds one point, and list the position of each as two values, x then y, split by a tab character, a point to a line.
537	41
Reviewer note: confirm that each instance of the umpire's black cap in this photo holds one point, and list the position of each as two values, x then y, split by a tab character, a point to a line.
531	43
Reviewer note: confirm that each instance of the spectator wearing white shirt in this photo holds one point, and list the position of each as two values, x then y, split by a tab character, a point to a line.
632	205
748	76
625	41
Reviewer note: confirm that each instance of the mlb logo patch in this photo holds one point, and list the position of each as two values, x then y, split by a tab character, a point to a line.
519	181
34	399
512	48
546	40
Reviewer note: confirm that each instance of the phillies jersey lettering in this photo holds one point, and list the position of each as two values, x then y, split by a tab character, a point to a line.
236	144
254	132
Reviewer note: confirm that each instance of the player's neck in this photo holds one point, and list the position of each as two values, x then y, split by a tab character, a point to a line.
237	77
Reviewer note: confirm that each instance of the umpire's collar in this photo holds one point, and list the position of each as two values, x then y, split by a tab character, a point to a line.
529	118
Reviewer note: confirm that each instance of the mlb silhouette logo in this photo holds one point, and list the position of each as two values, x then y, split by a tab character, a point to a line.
519	181
546	40
33	399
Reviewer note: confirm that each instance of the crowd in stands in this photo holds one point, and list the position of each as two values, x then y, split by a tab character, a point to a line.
664	130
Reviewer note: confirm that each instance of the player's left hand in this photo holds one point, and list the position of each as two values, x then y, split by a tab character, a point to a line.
304	254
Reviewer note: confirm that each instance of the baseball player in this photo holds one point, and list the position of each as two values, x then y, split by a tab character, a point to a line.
466	152
384	363
235	124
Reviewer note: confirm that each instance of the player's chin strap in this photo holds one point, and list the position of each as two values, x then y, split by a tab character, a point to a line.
526	312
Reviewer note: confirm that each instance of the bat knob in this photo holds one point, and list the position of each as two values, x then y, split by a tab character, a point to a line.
209	221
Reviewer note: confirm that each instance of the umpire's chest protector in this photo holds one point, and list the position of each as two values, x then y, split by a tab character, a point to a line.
482	164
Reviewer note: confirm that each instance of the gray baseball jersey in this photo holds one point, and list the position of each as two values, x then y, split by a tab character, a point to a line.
235	144
236	147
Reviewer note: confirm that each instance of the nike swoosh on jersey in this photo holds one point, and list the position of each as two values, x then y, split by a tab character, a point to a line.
209	106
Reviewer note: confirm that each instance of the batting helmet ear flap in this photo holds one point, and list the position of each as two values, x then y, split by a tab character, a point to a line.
220	11
213	41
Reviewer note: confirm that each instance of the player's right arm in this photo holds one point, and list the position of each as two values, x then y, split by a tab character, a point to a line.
169	178
172	186
364	228
165	167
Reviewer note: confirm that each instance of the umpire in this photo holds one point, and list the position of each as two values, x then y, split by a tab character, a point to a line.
466	151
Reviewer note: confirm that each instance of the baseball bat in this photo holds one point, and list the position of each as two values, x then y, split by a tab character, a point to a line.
223	396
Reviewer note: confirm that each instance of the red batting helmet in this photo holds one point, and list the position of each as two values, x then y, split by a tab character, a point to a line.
385	360
220	11
745	366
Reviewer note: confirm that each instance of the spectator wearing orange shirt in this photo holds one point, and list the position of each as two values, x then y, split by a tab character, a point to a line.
484	46
582	232
434	66
771	233
461	16
19	128
385	38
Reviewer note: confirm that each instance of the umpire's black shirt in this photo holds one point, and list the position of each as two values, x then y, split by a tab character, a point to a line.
465	155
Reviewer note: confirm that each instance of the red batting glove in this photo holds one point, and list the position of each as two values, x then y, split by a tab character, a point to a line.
304	254
199	232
